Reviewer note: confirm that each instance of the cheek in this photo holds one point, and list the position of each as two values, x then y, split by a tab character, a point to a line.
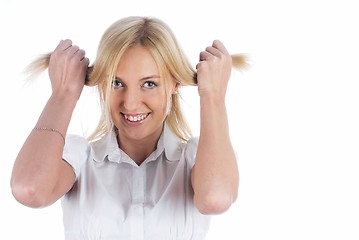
114	102
159	102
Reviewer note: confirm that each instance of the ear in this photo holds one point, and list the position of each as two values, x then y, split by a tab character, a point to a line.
175	87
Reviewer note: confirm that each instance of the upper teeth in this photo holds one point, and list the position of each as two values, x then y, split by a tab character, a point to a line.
135	118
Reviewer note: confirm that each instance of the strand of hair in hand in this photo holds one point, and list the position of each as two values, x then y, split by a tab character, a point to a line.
40	64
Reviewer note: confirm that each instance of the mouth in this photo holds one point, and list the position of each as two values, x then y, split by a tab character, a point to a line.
135	118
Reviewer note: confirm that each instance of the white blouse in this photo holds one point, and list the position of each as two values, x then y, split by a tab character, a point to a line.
114	198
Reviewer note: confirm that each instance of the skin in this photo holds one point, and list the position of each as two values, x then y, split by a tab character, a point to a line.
40	176
138	90
215	174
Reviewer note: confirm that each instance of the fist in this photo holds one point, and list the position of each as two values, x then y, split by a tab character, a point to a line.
213	71
67	69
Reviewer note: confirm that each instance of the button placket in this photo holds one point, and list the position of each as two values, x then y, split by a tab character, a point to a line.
138	198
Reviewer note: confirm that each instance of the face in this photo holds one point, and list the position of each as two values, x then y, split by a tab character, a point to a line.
138	100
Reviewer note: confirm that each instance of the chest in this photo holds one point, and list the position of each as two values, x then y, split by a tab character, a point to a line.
132	201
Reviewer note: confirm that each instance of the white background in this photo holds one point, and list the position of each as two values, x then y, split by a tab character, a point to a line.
294	115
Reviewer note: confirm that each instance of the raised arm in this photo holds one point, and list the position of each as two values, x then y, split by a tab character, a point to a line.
215	174
40	176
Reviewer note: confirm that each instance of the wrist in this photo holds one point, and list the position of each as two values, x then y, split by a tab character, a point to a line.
63	100
211	100
66	95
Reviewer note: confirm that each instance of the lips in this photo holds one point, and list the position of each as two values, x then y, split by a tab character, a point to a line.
135	117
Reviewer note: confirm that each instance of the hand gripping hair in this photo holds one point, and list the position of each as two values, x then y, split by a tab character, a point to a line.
39	65
158	38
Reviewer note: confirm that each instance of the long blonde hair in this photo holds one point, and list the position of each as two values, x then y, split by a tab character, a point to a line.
158	38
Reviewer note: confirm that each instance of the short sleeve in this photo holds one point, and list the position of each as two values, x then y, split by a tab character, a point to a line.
191	151
76	152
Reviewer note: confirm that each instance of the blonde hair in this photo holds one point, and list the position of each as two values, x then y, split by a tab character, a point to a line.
157	37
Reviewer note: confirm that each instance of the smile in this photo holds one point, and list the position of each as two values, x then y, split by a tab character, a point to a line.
136	118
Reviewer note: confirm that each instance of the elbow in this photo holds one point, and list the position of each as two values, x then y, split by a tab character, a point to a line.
214	204
27	195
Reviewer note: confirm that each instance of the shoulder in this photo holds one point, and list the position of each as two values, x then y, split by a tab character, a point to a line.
76	151
192	144
190	150
76	143
175	147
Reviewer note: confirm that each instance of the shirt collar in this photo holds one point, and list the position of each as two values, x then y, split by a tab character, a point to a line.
172	144
107	147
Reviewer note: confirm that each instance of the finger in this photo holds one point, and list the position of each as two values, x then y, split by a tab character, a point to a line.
64	44
213	51
72	49
220	46
205	55
80	54
85	60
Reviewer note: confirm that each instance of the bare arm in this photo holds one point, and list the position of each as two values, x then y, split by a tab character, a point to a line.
39	175
215	174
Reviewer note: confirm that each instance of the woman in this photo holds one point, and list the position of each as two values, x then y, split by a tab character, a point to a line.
140	175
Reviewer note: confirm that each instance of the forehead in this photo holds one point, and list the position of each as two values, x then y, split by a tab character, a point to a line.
137	60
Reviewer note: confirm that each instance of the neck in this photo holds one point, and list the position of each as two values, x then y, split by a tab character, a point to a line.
139	150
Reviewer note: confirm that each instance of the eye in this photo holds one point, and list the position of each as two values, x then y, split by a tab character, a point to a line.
149	84
116	84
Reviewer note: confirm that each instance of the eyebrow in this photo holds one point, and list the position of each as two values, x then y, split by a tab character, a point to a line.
141	79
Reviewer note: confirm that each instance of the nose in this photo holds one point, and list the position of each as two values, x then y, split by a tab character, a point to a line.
131	100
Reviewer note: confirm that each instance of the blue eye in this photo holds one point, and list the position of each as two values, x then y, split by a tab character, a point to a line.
149	84
116	84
